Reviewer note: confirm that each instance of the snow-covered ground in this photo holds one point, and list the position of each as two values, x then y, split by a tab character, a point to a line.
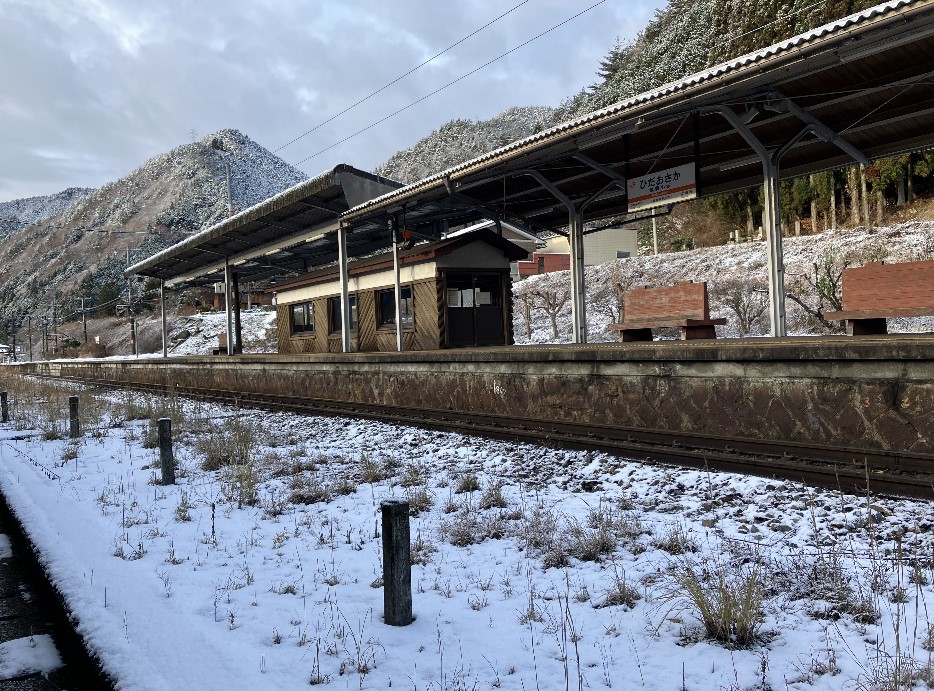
534	568
258	329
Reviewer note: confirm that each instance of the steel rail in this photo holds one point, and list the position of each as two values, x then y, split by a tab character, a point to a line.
851	470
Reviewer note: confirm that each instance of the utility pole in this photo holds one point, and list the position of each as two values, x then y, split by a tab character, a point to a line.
45	338
29	331
134	342
84	319
54	326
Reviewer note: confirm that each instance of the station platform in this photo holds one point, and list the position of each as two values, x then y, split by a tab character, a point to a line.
875	393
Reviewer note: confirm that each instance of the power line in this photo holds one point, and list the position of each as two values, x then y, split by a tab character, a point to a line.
451	83
398	79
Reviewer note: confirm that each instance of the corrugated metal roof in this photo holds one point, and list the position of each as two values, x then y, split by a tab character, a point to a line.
730	66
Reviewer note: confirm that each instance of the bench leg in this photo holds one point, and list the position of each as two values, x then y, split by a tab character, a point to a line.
690	333
629	335
867	327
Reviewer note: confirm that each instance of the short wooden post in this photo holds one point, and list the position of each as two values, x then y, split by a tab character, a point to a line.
397	566
166	456
4	408
73	416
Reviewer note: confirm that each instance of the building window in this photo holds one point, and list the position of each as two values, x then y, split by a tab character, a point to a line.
334	309
303	318
386	302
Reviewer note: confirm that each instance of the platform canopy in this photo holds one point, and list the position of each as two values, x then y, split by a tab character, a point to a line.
288	234
853	90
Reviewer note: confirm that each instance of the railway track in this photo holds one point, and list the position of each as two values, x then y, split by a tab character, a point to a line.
852	470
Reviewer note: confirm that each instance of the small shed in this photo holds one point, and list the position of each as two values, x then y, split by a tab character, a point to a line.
455	293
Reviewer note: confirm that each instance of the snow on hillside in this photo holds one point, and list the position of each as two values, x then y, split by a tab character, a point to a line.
186	188
197	334
737	279
19	213
460	140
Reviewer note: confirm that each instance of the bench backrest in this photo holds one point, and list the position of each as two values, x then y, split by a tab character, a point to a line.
682	301
889	286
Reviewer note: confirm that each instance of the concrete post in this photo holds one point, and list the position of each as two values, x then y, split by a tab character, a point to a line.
4	407
397	567
166	455
74	427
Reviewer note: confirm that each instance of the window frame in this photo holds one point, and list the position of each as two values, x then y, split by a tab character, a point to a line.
309	311
381	323
354	315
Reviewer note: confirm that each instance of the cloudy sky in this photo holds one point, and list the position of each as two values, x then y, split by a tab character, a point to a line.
92	88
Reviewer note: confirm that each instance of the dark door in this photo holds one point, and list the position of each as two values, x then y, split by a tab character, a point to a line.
475	309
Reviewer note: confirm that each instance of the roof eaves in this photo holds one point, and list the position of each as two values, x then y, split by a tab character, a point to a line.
610	112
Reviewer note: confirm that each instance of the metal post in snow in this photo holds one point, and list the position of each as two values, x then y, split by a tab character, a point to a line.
397	567
74	426
4	407
166	455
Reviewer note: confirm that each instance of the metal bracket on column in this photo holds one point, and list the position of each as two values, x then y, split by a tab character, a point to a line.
489	212
576	242
780	104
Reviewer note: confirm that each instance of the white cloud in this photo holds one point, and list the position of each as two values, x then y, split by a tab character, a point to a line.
115	83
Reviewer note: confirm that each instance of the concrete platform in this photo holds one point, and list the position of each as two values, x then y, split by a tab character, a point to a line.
873	393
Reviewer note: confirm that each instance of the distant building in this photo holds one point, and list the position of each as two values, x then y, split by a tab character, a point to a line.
599	248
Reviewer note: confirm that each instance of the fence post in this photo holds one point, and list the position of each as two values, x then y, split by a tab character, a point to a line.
73	416
166	456
4	408
397	567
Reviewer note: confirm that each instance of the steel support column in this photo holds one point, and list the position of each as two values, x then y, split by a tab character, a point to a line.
576	242
771	207
165	327
238	330
345	290
397	276
578	287
227	287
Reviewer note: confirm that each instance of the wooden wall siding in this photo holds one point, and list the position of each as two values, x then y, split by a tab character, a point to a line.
429	316
441	318
283	329
426	315
386	341
366	321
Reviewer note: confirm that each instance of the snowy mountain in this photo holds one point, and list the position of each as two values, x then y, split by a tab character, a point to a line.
461	140
81	251
19	213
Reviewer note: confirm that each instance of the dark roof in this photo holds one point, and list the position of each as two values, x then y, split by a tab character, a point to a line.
424	252
291	215
869	78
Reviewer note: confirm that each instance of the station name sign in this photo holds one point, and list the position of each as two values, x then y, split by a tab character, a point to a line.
662	187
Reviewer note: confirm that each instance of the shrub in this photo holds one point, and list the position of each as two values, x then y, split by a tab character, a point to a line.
726	598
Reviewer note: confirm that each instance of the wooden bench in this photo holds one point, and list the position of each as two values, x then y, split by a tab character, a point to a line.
221	348
683	305
877	291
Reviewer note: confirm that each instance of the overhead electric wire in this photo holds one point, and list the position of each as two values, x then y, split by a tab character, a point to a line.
400	78
451	83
